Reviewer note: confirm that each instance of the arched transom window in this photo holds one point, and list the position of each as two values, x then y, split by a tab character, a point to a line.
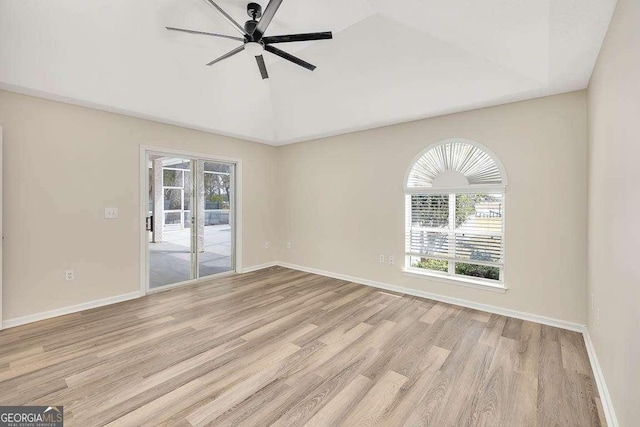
455	193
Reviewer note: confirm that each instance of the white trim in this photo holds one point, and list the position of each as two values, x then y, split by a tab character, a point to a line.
605	398
450	274
143	211
599	378
237	197
70	309
258	267
456	280
120	298
563	324
190	155
423	294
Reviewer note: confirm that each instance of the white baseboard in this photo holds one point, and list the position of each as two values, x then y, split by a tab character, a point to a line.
605	398
415	292
68	310
10	323
563	324
595	366
258	267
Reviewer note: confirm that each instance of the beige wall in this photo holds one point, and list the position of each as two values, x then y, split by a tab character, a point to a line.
63	165
614	210
339	201
343	202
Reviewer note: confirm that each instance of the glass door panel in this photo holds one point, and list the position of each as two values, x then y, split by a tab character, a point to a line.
215	218
190	224
170	236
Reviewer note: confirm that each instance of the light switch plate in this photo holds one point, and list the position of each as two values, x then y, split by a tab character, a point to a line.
111	213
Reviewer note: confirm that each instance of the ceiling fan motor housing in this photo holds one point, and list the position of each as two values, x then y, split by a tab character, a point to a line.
250	25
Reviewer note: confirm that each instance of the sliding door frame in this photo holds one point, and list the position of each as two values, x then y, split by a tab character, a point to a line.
235	217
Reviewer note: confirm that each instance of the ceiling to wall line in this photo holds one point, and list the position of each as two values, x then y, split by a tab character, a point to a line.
389	62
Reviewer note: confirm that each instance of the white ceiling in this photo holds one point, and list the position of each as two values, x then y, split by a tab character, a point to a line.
389	61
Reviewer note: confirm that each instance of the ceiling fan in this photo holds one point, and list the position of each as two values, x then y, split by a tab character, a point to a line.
253	39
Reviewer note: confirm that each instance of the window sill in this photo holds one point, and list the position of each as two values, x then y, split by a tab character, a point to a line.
470	283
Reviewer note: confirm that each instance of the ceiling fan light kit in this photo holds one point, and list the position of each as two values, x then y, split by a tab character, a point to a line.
254	41
254	48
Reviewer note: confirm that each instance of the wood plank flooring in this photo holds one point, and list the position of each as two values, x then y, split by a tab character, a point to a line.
286	348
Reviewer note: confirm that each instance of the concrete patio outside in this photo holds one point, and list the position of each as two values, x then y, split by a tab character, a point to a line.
170	260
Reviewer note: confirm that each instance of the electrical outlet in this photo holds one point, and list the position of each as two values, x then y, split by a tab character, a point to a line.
391	260
382	259
68	275
111	213
267	244
288	245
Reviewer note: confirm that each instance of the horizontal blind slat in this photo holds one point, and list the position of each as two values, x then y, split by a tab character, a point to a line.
473	236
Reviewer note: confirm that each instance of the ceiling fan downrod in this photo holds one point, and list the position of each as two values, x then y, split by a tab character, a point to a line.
254	10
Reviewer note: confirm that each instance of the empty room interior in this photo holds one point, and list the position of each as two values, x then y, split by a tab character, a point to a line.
320	213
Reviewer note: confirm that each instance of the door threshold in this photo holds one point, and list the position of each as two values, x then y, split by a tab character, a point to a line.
190	282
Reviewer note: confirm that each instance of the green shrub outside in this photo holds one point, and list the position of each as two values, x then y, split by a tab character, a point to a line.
472	270
432	264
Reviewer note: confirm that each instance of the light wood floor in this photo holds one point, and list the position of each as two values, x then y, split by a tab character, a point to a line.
282	347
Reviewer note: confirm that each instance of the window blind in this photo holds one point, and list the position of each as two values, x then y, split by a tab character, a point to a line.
464	228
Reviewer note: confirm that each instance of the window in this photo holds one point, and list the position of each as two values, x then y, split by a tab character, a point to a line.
455	214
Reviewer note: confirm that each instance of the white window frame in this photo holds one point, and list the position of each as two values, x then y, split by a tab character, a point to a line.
174	227
450	277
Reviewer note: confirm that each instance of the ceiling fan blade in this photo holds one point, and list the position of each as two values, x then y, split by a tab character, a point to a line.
226	16
289	57
267	16
298	37
204	33
262	67
227	55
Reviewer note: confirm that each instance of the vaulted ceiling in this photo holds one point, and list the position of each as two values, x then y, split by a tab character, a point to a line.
389	61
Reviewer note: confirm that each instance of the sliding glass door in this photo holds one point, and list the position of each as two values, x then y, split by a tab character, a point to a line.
190	220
